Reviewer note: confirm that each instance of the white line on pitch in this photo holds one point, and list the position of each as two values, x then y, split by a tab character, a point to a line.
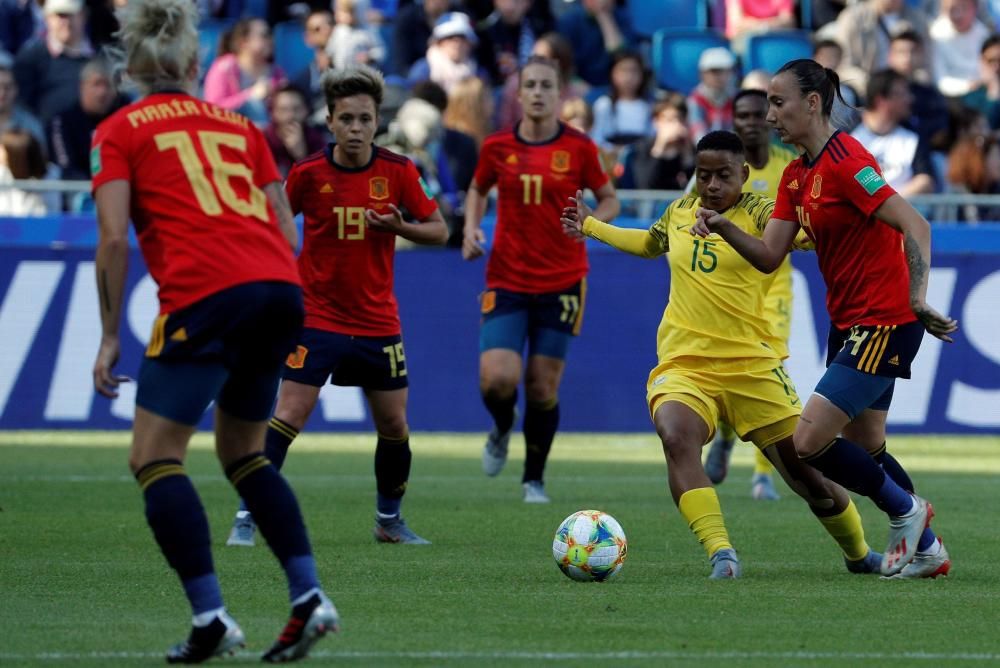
549	656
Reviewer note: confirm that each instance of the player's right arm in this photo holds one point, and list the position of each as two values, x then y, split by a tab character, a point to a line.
473	237
578	221
765	253
476	200
111	261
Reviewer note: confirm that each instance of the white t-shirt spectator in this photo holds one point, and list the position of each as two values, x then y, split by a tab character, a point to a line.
955	58
900	154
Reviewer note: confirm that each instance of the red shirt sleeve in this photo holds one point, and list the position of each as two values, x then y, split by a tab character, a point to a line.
486	173
594	176
265	169
293	188
415	194
783	207
861	183
108	155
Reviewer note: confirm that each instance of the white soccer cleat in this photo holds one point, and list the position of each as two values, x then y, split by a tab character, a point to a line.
242	533
495	450
929	564
725	565
534	492
762	488
904	533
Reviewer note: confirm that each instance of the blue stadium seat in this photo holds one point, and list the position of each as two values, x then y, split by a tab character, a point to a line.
291	53
209	34
769	51
648	16
675	56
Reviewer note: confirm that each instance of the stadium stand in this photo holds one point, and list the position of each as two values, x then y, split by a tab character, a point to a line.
675	55
770	50
648	16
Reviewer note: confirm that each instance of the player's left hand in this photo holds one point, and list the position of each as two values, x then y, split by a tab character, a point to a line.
391	222
573	216
105	382
936	324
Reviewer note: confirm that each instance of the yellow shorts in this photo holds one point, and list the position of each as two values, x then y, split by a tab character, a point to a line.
748	394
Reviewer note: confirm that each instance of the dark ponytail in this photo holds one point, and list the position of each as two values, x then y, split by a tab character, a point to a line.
814	78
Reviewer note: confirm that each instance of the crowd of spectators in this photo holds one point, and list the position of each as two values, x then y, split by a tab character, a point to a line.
920	83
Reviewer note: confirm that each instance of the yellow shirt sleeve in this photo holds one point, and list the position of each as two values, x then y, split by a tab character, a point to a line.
636	242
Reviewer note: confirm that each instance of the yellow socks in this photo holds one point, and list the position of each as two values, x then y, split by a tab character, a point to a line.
761	464
700	507
846	529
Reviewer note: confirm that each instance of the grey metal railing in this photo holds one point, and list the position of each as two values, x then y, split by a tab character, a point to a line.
638	203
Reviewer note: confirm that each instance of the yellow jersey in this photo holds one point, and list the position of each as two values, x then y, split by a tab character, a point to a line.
778	305
716	303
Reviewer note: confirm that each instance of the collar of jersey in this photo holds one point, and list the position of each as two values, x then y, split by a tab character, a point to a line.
812	163
519	138
336	165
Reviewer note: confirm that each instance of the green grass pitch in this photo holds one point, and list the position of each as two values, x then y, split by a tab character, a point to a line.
82	583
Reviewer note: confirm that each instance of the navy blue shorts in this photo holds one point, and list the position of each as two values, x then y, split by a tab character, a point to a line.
546	322
863	363
229	347
370	362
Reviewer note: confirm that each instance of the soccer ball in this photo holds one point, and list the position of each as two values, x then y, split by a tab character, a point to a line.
590	546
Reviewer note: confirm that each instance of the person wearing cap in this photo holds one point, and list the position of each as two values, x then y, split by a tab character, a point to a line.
48	69
710	104
411	32
449	56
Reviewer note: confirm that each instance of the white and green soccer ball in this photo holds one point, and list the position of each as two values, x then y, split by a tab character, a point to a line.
590	546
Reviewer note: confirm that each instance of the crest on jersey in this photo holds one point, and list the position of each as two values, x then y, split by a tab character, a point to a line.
817	186
297	360
560	161
378	187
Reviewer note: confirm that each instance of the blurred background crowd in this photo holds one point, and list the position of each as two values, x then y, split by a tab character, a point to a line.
644	78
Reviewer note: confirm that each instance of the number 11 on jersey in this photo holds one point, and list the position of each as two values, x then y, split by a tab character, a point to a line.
532	188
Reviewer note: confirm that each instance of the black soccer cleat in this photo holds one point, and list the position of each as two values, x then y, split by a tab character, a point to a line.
222	636
310	621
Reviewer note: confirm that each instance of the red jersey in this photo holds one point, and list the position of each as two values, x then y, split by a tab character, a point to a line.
346	268
195	171
834	199
531	253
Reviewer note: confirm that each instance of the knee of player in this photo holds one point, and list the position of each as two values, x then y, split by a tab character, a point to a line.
871	437
394	427
498	385
541	390
676	443
294	411
807	439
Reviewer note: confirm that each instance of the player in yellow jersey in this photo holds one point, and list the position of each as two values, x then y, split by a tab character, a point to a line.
719	358
766	161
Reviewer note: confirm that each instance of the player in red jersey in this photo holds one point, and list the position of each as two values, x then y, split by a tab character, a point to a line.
215	230
535	275
350	195
874	253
